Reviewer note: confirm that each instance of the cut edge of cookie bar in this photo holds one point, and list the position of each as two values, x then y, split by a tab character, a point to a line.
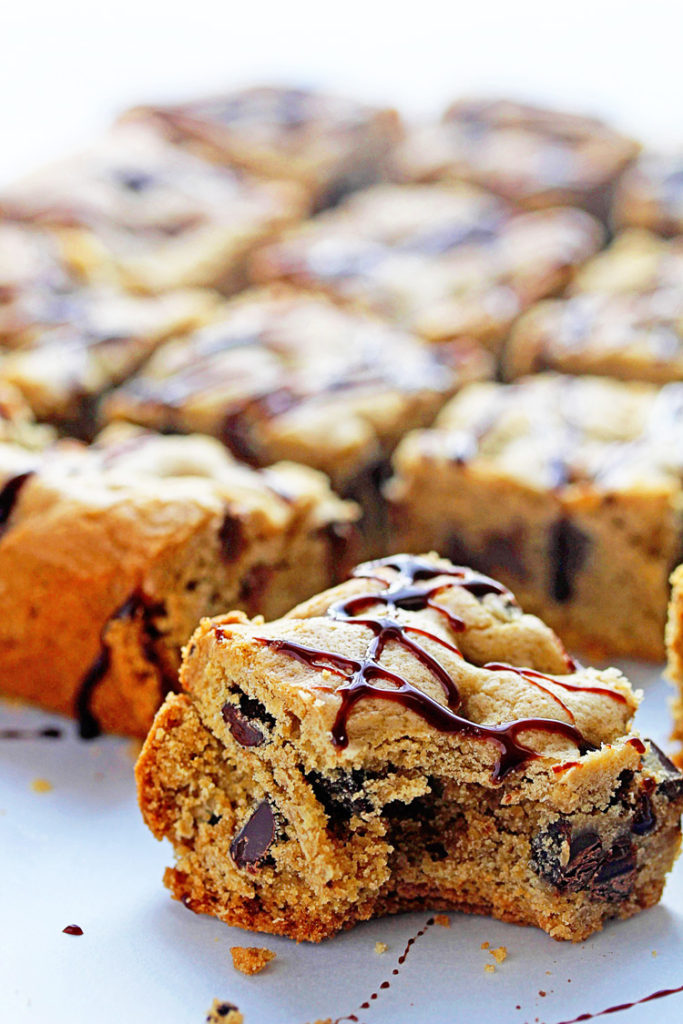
591	558
302	794
674	649
109	556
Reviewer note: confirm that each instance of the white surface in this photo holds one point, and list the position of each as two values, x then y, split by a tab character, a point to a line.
80	854
66	67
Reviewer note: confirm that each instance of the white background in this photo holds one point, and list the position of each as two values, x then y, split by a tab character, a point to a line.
66	65
80	853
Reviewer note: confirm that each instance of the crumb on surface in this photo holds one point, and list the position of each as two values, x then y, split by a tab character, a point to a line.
486	945
654	952
223	1013
489	968
499	954
443	919
41	786
541	993
250	959
381	947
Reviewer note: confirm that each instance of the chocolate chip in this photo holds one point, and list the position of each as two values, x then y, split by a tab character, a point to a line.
605	874
252	842
224	1009
253	587
616	875
231	537
672	786
644	818
135	180
341	793
567	551
8	497
214	819
246	735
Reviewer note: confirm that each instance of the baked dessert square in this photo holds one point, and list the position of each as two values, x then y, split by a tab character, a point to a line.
99	335
330	145
531	156
35	276
281	374
152	216
445	261
566	488
110	554
624	317
407	740
650	194
674	649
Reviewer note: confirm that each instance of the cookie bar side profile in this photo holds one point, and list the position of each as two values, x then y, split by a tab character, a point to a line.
568	488
109	555
407	740
674	649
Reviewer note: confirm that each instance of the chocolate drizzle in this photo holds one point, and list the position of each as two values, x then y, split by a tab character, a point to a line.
417	586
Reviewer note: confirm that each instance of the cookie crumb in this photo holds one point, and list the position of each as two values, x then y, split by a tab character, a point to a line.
486	945
541	993
381	947
499	954
654	952
443	919
489	968
223	1013
250	959
41	786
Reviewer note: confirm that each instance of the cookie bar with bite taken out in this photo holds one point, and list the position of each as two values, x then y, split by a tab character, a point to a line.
110	554
408	739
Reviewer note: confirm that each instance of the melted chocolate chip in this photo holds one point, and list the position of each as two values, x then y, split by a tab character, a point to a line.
586	866
8	497
616	875
231	537
223	1010
240	718
252	842
567	550
253	587
214	819
341	793
644	818
672	786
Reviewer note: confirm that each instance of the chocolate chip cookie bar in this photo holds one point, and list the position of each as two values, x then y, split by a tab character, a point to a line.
109	555
286	375
97	337
153	216
568	489
407	740
674	647
624	318
446	261
530	156
330	145
650	194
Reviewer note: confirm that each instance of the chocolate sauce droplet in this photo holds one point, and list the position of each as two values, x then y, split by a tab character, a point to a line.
73	929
